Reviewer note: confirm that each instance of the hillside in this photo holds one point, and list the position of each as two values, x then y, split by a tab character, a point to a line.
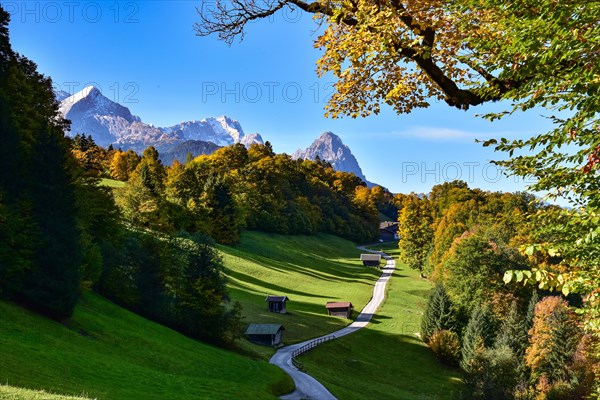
310	270
140	359
15	393
387	353
107	352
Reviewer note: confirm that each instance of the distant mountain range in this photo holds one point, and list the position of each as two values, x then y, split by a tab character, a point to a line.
109	122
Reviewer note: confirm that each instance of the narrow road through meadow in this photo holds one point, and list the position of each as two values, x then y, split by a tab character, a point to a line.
308	387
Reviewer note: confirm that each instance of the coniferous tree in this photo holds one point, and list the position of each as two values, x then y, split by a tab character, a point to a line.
188	157
535	298
221	213
53	284
553	340
513	332
438	315
36	182
143	199
491	374
478	335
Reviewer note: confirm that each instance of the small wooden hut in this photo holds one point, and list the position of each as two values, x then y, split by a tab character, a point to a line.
276	304
388	231
371	259
265	334
342	309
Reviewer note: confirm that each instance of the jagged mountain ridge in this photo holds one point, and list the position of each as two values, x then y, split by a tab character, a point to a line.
329	147
109	122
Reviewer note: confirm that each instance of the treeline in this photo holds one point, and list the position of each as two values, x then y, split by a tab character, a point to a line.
511	341
236	188
61	232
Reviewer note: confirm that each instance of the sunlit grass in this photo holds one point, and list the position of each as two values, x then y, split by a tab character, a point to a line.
386	360
112	183
16	393
310	270
107	352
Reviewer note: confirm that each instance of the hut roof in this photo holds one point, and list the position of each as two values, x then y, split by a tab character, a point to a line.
263	329
277	298
338	304
388	224
370	257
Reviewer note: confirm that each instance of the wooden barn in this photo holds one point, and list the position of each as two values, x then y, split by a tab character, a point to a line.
265	334
276	304
388	231
342	309
371	260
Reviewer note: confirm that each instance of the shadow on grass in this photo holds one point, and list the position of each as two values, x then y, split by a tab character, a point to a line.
330	270
394	366
420	293
274	289
321	256
302	322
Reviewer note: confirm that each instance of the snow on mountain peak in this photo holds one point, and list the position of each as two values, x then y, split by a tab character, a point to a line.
90	90
250	139
92	113
109	122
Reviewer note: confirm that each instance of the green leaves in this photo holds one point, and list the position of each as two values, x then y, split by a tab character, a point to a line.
508	276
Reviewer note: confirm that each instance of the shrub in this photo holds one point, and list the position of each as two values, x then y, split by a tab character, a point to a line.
558	354
445	345
553	340
493	374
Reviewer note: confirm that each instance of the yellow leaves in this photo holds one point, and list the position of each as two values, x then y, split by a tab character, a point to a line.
372	59
543	278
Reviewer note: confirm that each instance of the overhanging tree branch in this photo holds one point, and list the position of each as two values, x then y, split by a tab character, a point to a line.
228	21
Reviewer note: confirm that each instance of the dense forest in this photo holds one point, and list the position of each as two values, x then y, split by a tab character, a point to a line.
512	341
236	188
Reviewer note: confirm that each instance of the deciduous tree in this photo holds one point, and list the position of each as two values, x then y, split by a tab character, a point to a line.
415	231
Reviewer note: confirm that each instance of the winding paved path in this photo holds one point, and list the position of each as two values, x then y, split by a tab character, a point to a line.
308	387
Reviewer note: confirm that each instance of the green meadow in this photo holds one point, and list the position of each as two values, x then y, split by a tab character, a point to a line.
112	183
106	352
310	270
386	360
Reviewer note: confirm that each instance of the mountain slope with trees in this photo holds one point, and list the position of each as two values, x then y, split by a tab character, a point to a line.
503	336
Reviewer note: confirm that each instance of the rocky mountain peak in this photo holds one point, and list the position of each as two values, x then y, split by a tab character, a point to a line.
330	147
109	122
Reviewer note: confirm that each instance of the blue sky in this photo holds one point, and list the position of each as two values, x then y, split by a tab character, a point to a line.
146	56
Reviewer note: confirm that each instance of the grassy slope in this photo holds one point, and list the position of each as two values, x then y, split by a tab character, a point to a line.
386	360
110	353
112	183
310	270
15	393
